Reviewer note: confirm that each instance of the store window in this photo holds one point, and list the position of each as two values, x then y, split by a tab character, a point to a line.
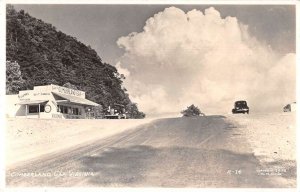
42	108
35	108
68	110
65	110
60	108
75	111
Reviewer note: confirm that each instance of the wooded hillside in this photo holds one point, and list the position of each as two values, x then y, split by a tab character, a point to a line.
48	56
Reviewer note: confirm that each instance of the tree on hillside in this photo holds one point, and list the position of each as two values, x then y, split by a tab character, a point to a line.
192	111
133	112
14	80
98	112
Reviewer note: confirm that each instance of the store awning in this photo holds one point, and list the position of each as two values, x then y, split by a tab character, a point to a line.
32	102
77	100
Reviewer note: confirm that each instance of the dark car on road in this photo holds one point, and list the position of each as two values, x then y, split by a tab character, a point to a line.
240	107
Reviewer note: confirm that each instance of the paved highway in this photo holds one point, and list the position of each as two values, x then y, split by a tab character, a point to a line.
172	152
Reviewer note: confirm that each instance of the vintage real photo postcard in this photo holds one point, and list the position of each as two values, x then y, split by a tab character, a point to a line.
150	95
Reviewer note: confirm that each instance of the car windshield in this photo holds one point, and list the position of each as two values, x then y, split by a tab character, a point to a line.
240	103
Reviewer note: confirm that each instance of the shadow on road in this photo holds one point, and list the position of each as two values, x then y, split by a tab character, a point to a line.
217	116
170	152
145	166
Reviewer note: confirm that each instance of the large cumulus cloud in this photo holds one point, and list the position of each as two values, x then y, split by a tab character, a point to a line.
183	58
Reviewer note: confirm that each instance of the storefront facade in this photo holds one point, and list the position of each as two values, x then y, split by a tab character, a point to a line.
51	101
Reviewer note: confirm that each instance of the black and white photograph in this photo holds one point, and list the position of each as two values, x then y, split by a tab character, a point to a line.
150	95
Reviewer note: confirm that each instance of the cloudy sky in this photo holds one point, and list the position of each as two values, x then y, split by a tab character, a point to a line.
176	55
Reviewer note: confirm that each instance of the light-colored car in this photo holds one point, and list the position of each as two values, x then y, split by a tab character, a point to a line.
290	107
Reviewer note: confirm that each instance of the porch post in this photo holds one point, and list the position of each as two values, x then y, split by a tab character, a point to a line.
39	109
26	110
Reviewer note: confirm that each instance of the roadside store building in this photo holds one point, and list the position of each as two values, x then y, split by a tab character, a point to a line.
49	101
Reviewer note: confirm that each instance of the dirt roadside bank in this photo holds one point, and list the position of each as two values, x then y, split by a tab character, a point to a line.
272	138
30	138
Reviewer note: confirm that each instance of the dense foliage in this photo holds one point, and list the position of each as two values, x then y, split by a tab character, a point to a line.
14	80
192	111
47	56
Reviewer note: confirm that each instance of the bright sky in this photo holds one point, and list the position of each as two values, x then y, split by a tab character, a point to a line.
209	55
100	26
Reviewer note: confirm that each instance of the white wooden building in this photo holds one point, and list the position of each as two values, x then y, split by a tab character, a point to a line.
49	101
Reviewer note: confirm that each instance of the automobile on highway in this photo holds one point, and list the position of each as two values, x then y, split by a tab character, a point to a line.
290	107
240	107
